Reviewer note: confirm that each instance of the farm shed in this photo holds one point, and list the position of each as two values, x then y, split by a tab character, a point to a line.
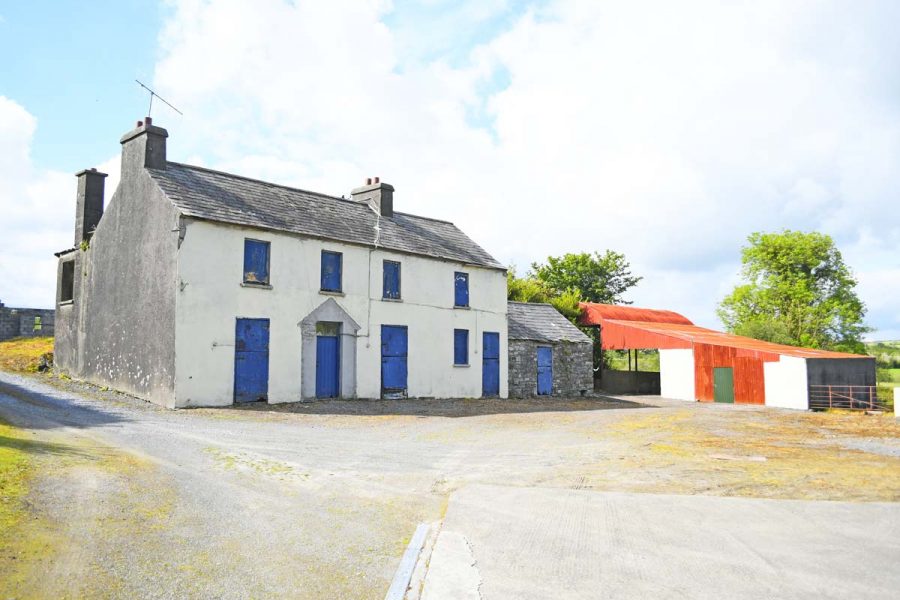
701	364
547	354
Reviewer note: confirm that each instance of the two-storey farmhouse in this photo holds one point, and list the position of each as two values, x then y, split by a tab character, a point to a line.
201	288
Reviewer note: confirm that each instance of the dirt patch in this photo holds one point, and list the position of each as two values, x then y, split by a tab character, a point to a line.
755	453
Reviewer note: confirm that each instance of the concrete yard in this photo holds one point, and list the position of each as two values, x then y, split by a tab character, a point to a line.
535	543
320	500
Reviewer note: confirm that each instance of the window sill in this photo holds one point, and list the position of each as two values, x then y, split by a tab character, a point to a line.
331	293
463	366
259	286
463	307
67	303
392	299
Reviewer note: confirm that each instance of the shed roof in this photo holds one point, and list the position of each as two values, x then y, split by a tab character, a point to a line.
675	331
541	323
594	313
227	198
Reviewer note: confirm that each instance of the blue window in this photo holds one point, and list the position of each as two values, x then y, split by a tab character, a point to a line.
331	271
256	262
460	346
391	280
460	289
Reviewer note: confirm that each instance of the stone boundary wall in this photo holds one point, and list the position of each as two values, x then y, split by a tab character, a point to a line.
20	322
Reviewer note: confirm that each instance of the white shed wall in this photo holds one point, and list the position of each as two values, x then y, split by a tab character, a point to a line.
786	383
211	298
676	374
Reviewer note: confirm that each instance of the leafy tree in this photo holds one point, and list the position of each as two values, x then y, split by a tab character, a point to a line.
529	289
596	277
797	290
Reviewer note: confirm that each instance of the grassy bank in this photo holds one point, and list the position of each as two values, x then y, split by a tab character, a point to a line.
24	354
15	468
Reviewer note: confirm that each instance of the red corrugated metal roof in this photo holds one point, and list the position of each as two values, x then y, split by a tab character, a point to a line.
595	314
665	329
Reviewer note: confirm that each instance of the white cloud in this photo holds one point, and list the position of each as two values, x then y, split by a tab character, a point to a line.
38	213
668	131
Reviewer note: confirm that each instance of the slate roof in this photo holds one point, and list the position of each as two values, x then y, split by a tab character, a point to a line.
541	323
226	198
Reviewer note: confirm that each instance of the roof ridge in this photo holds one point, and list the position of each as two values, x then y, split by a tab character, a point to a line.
262	181
297	189
531	303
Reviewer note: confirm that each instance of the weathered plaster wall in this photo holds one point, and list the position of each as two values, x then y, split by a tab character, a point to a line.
572	368
120	328
785	382
676	374
210	298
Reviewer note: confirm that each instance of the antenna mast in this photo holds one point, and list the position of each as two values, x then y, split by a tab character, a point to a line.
152	94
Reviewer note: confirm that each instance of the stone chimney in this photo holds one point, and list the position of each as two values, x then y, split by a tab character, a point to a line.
379	196
144	147
89	205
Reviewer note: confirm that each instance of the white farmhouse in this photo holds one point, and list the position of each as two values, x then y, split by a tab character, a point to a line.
202	288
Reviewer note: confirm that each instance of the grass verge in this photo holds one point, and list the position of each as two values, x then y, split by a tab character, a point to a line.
24	354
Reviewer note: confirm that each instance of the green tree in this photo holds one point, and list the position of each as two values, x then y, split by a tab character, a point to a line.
595	277
529	289
797	290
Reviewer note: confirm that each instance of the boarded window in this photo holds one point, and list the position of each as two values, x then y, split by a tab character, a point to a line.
256	262
331	271
391	280
460	289
67	285
460	346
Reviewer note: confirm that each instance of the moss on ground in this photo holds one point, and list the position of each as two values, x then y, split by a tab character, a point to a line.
24	354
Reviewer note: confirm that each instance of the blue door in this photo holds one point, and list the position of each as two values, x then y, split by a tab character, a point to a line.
544	370
490	364
394	350
251	360
328	366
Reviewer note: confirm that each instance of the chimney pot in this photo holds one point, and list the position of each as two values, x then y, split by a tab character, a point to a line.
148	121
377	179
368	181
140	123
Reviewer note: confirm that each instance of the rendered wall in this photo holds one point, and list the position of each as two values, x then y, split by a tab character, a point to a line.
676	374
119	330
210	297
785	382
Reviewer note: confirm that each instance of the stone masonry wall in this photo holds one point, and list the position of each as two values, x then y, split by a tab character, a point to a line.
572	368
19	322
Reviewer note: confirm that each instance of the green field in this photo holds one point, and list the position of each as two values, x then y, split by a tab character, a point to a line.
887	358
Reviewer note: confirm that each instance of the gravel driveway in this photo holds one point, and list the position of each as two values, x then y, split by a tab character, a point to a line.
320	500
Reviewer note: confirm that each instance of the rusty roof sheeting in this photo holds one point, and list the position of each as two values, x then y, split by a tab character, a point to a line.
594	314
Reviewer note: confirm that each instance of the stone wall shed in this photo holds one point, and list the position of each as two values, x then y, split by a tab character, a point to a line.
548	355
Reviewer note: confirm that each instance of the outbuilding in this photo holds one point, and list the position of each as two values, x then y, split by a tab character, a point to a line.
548	355
701	364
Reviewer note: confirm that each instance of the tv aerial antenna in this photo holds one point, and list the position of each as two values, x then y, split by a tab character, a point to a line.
154	94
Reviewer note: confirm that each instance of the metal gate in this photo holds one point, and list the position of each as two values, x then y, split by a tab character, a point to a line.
251	360
394	351
490	364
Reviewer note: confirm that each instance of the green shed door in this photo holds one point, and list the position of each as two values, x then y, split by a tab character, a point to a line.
723	384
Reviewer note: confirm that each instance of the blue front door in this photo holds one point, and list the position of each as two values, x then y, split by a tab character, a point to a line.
328	366
544	370
394	350
490	364
251	360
